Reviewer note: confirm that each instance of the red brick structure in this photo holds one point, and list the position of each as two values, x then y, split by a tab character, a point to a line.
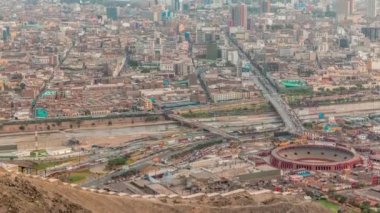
314	157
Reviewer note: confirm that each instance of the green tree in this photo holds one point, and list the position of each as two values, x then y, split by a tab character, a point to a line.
377	207
87	112
365	207
341	89
145	70
133	63
229	64
359	86
116	162
341	198
22	85
321	89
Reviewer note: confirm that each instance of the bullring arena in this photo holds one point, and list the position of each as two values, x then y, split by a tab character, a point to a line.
314	157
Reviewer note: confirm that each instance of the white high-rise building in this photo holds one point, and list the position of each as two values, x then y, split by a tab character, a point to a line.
372	8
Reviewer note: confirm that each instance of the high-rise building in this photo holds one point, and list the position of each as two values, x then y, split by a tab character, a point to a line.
373	33
265	6
156	13
6	33
372	8
239	15
352	7
212	51
176	5
112	13
344	9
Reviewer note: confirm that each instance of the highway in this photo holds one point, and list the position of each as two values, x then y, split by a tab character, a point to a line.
200	75
60	62
163	154
200	125
99	157
119	68
289	117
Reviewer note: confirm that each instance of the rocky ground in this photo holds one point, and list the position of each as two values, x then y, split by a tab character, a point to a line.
19	195
24	194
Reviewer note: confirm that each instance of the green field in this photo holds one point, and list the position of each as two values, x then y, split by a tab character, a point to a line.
46	164
79	176
76	178
332	206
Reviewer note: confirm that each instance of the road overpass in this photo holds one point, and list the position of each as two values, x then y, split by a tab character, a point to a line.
200	125
119	68
200	75
289	117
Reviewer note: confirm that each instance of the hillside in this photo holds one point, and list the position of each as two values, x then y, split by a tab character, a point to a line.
26	194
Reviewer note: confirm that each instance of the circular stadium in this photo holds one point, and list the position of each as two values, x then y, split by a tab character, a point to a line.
314	157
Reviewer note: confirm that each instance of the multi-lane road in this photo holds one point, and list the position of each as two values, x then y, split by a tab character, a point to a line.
162	154
289	117
192	123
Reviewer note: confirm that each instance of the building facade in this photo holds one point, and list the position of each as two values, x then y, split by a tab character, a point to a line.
239	15
372	8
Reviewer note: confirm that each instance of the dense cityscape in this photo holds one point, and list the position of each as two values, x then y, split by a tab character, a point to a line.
157	105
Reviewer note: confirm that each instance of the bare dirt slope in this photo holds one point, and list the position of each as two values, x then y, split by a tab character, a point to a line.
23	194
